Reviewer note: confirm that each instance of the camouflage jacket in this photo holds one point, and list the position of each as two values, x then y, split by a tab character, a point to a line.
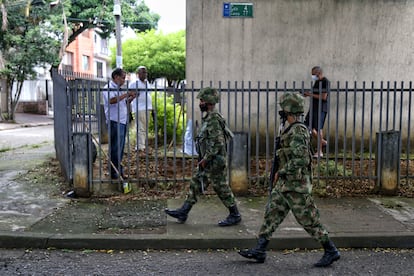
211	137
295	172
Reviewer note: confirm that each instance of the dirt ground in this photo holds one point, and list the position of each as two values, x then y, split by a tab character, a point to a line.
333	186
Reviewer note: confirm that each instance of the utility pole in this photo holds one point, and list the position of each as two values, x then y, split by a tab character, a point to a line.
117	14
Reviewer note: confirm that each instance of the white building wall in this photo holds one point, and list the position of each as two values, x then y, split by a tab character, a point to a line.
352	40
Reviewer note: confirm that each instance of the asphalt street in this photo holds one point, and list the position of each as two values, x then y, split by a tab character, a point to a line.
353	262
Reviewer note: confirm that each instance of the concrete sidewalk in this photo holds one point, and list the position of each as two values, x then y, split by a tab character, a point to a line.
32	218
27	120
352	222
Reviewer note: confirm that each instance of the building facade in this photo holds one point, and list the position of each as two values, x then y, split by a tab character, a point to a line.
86	56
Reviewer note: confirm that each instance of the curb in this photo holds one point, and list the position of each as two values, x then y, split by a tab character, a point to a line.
143	242
7	126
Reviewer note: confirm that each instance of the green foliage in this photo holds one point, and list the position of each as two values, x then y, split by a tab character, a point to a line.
87	14
29	38
138	16
170	115
331	168
5	149
163	55
32	32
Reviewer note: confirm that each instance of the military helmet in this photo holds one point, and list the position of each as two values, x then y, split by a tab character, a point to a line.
209	95
292	103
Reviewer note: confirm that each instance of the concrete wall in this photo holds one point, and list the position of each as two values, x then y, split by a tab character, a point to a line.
353	40
34	107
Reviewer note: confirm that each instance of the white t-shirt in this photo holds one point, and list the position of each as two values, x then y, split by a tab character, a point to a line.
143	101
116	112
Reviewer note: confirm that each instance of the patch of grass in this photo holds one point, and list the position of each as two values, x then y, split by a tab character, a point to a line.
391	204
34	146
5	149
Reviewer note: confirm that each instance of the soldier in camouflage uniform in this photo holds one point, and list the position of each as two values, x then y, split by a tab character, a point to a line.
293	187
211	148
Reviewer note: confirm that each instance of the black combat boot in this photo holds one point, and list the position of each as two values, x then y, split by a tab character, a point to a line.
258	253
232	219
181	214
331	254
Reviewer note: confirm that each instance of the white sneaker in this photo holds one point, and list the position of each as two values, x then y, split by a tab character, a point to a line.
316	155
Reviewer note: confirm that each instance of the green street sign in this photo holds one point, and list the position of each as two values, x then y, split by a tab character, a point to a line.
237	9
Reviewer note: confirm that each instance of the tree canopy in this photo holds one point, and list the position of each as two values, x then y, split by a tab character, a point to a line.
162	54
28	39
84	14
32	32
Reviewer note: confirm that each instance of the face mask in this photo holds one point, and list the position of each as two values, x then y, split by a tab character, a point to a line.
203	107
314	77
283	115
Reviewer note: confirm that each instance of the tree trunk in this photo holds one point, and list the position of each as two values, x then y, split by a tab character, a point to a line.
15	99
8	98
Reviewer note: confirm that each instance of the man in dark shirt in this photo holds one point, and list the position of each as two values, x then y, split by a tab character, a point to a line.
315	118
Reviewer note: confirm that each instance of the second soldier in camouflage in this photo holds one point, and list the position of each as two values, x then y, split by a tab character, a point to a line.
293	186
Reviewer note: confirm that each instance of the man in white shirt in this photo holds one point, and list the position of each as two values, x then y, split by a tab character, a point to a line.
141	106
116	104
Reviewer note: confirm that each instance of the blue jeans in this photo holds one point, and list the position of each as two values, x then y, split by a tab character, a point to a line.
117	132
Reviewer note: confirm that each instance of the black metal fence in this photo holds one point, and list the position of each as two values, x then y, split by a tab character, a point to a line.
361	118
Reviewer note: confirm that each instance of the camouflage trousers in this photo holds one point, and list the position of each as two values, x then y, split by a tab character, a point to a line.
303	208
214	173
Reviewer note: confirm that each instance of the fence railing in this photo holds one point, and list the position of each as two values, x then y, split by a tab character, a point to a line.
358	114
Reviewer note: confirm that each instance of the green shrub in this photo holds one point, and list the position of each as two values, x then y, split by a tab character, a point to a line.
331	168
169	114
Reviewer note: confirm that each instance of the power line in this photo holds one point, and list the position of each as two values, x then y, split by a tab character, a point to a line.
107	22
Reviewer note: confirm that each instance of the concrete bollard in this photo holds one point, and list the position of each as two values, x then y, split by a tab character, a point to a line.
81	163
238	163
387	161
